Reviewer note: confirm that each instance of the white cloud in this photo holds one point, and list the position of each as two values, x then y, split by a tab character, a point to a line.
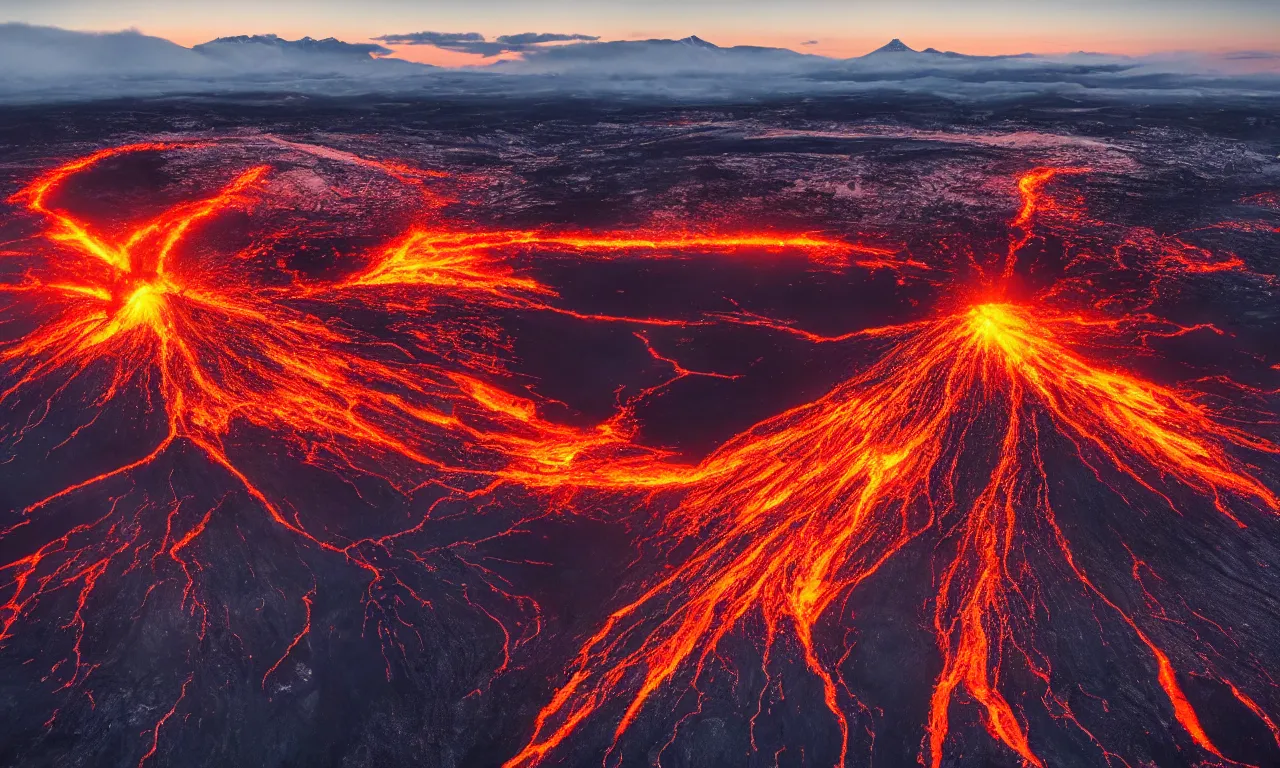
44	64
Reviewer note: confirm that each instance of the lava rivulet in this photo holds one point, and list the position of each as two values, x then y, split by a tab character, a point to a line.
145	318
808	505
197	343
944	438
955	442
212	345
432	257
1034	203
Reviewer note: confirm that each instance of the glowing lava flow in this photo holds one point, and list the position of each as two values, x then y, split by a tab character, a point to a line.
421	255
784	522
144	317
1034	201
144	321
221	350
538	453
792	516
214	349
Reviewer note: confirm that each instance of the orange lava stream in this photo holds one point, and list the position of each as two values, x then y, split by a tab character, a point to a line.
145	315
795	514
203	338
465	260
1034	201
784	521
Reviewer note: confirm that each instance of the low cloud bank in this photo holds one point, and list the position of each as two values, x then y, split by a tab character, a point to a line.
475	43
48	64
42	64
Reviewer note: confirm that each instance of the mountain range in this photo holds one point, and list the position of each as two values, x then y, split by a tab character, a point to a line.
45	63
34	51
306	46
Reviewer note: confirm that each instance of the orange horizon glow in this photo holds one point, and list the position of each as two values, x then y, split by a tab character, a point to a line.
830	45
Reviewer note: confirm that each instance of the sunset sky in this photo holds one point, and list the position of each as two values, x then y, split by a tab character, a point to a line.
839	27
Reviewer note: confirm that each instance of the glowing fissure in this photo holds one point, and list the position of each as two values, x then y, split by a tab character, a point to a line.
803	508
783	522
211	353
808	505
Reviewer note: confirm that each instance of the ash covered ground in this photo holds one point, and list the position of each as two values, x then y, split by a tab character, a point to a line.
440	622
